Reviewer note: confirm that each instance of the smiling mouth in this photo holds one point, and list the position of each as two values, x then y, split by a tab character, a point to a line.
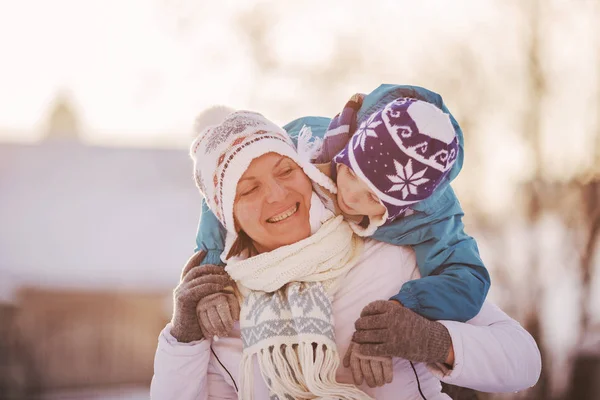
284	215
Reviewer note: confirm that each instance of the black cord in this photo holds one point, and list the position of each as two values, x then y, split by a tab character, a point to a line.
418	382
226	370
236	388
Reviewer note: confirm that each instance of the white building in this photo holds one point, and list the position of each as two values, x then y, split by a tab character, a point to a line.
73	215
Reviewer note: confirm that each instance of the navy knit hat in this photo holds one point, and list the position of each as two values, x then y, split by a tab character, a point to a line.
403	152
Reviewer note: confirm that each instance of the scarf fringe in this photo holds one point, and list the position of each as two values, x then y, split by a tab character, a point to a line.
246	390
304	371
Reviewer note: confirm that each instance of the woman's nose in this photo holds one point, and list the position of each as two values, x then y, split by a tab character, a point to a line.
276	192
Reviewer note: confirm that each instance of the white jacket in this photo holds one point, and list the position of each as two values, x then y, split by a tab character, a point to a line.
493	353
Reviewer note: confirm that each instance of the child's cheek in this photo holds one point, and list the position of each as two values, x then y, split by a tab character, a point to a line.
363	204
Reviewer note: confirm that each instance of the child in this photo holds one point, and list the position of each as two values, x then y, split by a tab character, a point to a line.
393	176
395	159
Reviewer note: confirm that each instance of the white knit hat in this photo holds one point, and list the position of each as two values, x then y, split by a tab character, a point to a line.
212	116
223	152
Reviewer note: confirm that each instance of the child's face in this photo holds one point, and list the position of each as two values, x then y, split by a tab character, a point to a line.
354	196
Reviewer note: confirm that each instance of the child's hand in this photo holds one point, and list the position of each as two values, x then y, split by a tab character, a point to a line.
377	371
387	328
217	313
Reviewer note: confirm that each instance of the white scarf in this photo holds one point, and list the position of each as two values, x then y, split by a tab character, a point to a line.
286	317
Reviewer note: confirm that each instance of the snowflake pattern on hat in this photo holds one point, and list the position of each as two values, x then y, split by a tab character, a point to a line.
366	129
405	180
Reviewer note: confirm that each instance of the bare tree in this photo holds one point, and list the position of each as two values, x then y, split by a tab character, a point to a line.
537	88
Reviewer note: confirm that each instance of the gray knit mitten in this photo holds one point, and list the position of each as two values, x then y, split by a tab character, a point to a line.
376	371
217	313
387	328
197	282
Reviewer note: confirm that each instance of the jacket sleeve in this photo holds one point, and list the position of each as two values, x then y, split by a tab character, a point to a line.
340	129
492	352
454	280
318	126
183	371
210	236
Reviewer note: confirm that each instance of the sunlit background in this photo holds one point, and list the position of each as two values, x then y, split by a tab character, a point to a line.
98	208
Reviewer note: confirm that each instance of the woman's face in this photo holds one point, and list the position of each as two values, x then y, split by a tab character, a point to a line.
272	202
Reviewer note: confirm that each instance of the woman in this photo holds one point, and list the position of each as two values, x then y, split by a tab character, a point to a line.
305	278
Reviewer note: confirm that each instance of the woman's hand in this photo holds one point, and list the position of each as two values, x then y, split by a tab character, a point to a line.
217	313
197	282
377	371
387	328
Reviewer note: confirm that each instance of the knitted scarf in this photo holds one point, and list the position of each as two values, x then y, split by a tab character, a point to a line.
286	317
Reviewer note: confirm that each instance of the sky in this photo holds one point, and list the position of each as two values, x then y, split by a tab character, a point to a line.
139	68
139	71
114	57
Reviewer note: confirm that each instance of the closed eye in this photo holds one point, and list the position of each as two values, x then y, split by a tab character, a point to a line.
286	172
249	191
351	173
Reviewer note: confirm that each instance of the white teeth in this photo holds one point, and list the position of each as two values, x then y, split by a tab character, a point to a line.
286	214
